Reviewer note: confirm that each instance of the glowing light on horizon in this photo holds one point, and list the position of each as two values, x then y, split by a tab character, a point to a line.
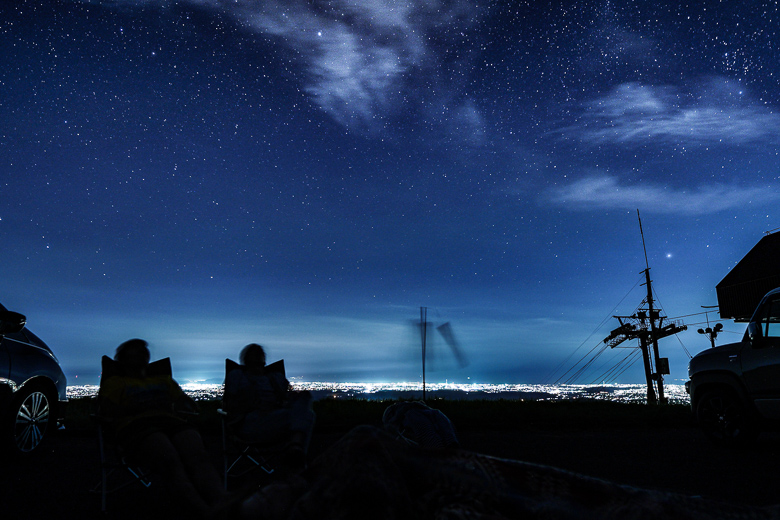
612	392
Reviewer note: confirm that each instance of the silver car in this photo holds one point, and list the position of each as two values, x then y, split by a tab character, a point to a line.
32	386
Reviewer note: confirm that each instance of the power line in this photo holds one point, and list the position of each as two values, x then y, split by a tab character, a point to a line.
584	367
689	315
637	356
603	321
616	369
683	346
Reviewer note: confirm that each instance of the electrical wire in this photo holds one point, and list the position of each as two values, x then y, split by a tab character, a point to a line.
608	376
637	357
601	324
584	367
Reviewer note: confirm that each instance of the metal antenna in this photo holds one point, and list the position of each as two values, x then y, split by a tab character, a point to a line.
647	264
424	336
446	332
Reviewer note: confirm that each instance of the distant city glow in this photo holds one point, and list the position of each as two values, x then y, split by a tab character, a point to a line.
324	390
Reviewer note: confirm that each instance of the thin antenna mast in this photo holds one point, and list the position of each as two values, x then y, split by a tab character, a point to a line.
647	265
657	376
424	336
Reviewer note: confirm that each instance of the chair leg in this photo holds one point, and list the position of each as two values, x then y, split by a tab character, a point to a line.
232	446
248	453
225	453
107	469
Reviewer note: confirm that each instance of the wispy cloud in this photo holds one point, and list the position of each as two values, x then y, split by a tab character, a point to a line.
368	62
605	192
719	111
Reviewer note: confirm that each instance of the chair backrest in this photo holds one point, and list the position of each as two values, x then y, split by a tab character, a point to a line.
110	368
276	366
161	367
230	365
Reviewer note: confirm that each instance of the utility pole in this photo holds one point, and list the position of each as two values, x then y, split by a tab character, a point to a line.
642	326
652	315
651	397
654	337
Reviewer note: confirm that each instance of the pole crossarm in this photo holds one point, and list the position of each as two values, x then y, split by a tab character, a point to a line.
648	327
638	328
670	329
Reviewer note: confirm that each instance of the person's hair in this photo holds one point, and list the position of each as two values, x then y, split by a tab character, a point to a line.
251	350
131	344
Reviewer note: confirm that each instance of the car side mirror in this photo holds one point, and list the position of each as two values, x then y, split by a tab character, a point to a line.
754	332
11	322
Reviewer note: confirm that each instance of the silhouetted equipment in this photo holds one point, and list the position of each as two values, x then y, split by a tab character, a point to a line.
449	338
445	330
643	327
740	291
712	333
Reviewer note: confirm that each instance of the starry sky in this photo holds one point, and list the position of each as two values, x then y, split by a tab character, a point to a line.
308	174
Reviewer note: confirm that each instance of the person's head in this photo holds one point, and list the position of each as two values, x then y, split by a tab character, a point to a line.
133	355
252	356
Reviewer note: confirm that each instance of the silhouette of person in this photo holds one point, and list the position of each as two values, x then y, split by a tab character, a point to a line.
263	409
142	409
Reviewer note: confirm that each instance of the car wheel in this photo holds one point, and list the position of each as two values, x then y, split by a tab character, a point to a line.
30	420
724	418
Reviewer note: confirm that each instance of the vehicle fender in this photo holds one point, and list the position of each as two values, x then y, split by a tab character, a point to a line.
45	385
706	380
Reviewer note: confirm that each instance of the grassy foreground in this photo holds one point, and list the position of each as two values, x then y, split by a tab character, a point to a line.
341	415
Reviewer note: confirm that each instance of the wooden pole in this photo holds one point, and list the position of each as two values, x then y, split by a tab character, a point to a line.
651	316
651	399
659	379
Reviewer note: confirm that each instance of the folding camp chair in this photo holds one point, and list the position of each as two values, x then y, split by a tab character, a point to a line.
117	470
241	456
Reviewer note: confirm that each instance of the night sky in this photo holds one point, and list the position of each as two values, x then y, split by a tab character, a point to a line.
307	174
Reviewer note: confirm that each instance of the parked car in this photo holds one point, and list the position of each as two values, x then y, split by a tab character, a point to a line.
735	388
32	386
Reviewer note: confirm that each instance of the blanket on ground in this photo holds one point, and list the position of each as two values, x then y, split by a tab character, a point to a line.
369	474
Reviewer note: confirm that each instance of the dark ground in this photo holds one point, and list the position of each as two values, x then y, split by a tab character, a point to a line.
56	482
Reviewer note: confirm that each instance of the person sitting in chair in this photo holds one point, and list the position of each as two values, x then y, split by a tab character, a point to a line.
262	409
140	408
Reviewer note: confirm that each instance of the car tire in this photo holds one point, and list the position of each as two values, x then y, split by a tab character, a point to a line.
30	420
724	418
